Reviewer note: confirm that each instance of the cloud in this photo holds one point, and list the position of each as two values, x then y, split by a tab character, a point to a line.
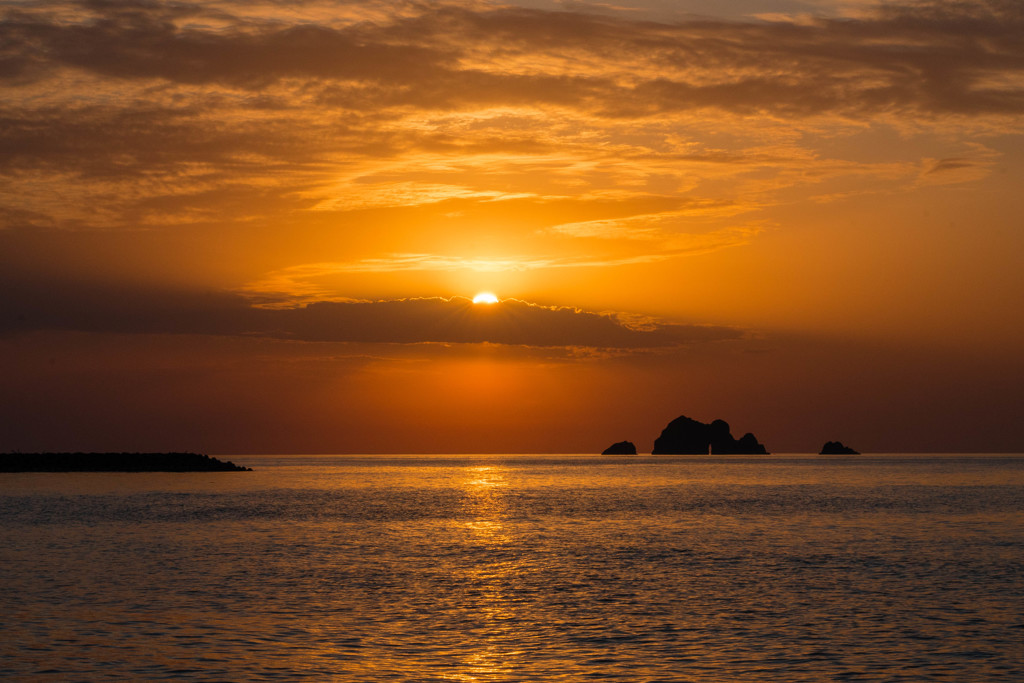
657	225
950	164
147	114
148	41
293	285
348	197
458	320
26	306
925	57
977	163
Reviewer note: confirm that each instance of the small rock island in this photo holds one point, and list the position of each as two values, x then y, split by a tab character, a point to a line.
620	448
115	462
837	448
685	436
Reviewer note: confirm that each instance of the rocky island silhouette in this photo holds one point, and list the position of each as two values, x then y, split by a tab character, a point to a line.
686	436
620	448
837	448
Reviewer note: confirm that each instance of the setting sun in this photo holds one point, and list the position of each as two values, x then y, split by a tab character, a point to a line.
485	298
803	216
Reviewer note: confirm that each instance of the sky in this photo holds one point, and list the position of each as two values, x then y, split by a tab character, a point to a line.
259	227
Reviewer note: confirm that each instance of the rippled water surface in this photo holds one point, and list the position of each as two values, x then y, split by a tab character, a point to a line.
519	568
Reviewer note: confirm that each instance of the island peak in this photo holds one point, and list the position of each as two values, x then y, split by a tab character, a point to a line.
686	436
620	448
837	448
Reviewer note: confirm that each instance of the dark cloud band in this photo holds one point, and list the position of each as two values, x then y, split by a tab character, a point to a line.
405	321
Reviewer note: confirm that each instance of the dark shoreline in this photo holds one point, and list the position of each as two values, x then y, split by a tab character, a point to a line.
115	462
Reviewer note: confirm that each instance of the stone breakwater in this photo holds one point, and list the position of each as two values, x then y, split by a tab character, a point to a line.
115	462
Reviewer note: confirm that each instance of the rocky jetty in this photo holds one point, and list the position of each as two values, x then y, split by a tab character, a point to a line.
837	448
685	436
115	462
620	448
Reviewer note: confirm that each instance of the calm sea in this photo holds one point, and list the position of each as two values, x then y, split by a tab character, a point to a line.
520	568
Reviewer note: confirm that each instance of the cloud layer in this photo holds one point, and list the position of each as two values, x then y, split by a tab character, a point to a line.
90	308
929	57
151	114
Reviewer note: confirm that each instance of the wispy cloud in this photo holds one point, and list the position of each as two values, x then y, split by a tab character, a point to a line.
662	225
307	283
355	196
975	165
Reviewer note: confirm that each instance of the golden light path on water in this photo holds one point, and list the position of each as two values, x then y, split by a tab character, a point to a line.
485	487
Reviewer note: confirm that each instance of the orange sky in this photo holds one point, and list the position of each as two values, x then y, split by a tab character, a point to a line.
235	227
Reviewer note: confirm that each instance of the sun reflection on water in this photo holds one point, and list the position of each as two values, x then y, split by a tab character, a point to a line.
487	663
491	581
486	476
485	506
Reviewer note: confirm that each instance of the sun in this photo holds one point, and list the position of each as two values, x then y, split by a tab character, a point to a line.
485	298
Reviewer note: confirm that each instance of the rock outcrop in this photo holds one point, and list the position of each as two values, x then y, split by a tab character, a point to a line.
684	436
620	448
837	448
115	462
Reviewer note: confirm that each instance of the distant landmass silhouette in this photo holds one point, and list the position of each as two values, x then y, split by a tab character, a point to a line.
620	448
837	448
685	436
115	462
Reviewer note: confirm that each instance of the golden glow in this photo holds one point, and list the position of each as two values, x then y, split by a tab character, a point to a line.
298	281
485	298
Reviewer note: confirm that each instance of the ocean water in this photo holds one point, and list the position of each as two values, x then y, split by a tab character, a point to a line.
519	568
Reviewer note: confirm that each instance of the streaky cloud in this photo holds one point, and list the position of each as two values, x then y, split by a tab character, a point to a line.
297	284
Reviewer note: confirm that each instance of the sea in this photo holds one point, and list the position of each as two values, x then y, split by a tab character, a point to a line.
550	568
